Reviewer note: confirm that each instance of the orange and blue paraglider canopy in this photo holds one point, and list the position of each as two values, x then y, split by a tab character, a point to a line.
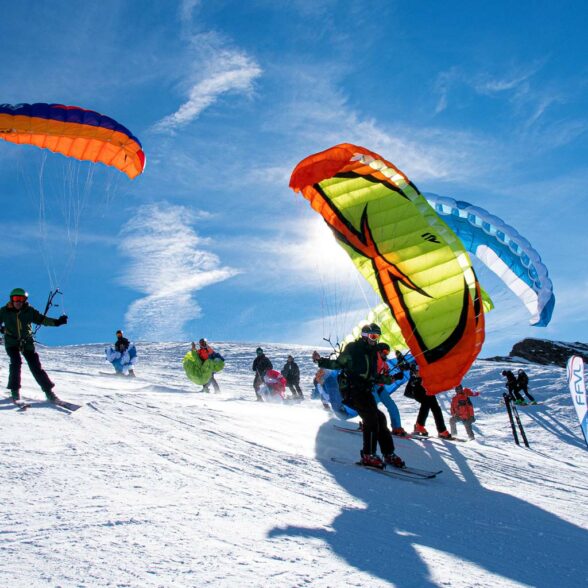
73	132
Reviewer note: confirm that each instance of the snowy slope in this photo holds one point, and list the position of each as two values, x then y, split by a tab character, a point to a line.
153	484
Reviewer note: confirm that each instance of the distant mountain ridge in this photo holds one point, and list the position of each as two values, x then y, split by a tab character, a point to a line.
544	352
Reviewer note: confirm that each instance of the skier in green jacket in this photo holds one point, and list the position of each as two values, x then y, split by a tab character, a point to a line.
16	319
358	363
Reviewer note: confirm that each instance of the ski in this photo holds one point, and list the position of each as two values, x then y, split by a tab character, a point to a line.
415	436
509	411
408	473
348	430
441	439
18	404
67	405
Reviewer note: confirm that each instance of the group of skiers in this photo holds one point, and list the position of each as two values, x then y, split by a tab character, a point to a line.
517	385
270	384
364	379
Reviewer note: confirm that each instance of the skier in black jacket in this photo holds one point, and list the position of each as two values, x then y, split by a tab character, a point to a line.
260	365
522	384
512	387
17	317
415	389
358	363
291	372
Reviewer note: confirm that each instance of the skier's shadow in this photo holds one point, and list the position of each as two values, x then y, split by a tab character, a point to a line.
496	532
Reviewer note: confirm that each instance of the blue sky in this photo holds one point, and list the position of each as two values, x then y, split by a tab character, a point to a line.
485	102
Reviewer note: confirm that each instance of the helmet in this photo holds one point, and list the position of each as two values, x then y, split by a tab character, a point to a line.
19	292
384	347
504	372
203	342
119	332
521	372
375	329
371	333
259	351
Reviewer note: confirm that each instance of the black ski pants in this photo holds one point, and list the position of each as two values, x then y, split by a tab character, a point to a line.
295	390
513	391
523	387
430	404
375	426
34	362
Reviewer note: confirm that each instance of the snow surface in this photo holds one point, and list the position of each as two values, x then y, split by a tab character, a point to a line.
154	484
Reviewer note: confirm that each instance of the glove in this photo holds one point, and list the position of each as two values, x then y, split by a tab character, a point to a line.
62	320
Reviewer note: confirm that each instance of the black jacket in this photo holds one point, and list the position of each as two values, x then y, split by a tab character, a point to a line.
261	364
121	344
415	389
522	379
17	324
291	372
359	364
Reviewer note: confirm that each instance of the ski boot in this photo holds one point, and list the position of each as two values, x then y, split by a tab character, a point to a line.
51	397
445	435
399	432
393	460
420	430
372	460
15	395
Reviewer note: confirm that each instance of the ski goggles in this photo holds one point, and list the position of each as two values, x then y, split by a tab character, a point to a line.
373	336
19	299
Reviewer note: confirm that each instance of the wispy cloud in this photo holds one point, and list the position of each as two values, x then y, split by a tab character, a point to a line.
220	70
169	263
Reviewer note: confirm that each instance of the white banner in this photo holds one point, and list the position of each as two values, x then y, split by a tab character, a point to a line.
578	391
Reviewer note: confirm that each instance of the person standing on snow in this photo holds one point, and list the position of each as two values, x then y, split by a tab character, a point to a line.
291	372
261	364
17	317
383	395
358	363
462	410
523	384
414	389
511	386
205	351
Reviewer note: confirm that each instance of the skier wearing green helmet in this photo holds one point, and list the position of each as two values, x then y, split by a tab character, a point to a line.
16	319
358	362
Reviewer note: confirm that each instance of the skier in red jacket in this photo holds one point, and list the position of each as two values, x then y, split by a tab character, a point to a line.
462	410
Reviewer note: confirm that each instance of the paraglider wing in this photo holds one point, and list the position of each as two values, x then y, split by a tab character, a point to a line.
504	251
73	132
409	256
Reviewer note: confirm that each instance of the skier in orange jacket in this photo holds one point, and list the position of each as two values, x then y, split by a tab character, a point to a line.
462	410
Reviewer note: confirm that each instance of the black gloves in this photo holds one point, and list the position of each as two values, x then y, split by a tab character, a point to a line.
62	320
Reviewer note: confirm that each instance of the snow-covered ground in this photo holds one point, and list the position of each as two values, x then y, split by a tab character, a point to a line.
153	484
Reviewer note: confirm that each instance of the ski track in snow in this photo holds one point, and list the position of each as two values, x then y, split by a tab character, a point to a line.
154	484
